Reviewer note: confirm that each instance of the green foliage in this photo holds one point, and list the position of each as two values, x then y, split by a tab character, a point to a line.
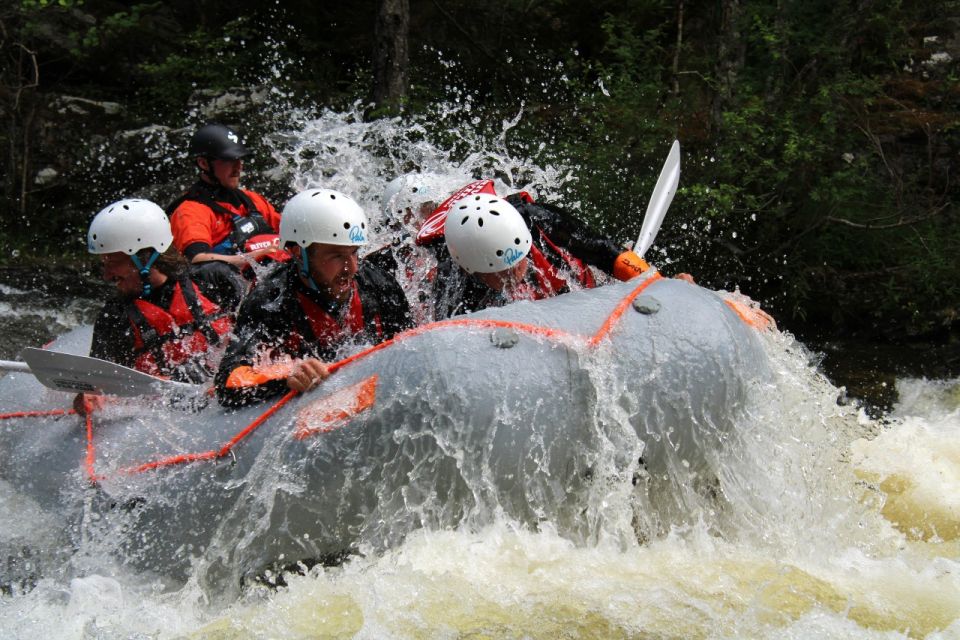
42	4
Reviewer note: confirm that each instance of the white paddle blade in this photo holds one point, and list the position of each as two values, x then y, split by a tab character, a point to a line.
82	374
660	200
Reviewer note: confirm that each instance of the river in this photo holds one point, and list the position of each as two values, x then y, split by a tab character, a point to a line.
847	522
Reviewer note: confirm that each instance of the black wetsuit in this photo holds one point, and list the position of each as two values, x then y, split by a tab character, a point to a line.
113	333
273	322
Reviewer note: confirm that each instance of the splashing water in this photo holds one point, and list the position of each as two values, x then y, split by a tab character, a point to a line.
808	553
816	521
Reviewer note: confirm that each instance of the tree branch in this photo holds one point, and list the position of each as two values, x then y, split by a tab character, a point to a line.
36	76
902	223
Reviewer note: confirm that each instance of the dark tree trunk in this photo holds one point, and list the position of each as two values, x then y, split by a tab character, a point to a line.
676	51
730	59
390	55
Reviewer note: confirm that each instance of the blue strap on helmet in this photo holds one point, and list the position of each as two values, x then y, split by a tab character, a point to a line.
145	270
305	269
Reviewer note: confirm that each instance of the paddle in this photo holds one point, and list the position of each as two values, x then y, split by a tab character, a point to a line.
10	365
660	200
73	373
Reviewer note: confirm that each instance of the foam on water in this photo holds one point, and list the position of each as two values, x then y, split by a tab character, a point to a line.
912	466
811	552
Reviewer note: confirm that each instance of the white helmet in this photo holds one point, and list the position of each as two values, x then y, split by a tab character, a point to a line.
325	216
412	191
129	226
486	234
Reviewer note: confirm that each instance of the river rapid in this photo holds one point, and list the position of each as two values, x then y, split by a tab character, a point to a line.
843	523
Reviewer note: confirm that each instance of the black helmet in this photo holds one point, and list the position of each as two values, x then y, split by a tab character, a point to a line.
217	141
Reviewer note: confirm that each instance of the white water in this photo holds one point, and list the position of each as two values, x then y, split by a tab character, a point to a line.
840	526
822	554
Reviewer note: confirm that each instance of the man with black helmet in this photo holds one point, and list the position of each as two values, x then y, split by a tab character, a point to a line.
216	224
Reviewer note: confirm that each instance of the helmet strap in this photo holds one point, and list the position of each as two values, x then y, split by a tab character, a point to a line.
144	269
305	269
208	172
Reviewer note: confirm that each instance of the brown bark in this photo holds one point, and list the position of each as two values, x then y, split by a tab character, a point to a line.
391	55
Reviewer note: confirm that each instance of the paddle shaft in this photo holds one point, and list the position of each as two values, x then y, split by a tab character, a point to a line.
12	365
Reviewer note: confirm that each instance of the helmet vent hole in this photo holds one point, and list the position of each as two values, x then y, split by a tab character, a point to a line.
126	207
479	222
346	225
314	194
94	236
464	221
333	196
494	213
516	241
463	206
363	225
499	253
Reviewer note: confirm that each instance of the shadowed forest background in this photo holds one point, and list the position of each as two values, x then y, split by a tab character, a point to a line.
820	139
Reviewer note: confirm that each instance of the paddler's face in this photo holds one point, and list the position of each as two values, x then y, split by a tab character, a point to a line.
119	270
333	268
419	213
500	279
226	172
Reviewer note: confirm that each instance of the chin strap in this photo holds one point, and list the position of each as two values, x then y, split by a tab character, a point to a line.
305	269
144	269
209	170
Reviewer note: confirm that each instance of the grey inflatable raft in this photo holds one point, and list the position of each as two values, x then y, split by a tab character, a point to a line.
559	411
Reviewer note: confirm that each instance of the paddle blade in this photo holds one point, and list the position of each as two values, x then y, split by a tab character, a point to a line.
660	200
82	374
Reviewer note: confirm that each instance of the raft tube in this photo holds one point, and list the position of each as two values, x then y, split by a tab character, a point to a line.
538	412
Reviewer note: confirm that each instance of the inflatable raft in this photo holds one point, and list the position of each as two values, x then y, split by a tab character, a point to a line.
534	412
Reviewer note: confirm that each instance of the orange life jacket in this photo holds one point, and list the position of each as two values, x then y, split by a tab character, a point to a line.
165	339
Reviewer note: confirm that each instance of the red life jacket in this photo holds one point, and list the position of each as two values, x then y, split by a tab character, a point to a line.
549	282
167	338
580	271
327	330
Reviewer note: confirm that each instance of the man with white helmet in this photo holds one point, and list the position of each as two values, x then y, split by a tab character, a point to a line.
161	321
495	259
407	202
297	318
410	198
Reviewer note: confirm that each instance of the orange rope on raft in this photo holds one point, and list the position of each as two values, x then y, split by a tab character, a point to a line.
752	316
37	414
91	454
481	323
617	313
215	454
